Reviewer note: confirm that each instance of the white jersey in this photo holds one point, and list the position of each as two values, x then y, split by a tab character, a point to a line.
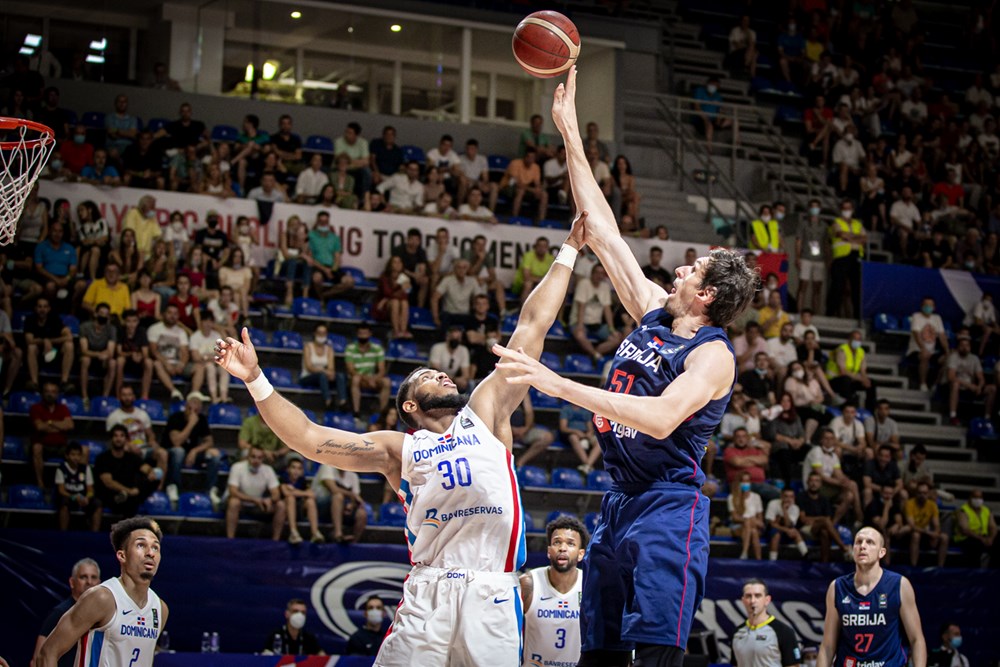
462	500
129	638
552	623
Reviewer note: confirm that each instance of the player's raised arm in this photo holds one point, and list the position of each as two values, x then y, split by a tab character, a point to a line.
494	399
94	608
369	452
831	626
911	623
638	294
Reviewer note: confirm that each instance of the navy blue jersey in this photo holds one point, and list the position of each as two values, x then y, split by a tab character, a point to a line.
646	362
870	631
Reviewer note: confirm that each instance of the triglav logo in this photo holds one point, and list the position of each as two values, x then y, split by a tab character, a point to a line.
348	586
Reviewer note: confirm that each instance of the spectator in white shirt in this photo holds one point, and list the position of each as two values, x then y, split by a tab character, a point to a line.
782	515
474	210
555	173
746	511
976	94
926	333
743	47
804	324
988	140
837	486
452	357
203	357
983	322
441	208
591	315
406	192
914	110
473	171
847	156
311	181
445	159
341	491
268	190
254	490
905	218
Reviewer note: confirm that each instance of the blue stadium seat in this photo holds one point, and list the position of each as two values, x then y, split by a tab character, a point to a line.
196	506
395	380
306	307
280	377
980	428
404	349
845	533
498	163
17	323
223	414
566	478
340	309
392	514
102	406
360	280
905	323
508	324
599	480
551	361
520	221
225	133
288	340
157	504
836	412
14	448
75	405
552	224
555	514
557	331
411	152
529	523
156	124
20	402
317	143
885	322
420	318
258	337
544	401
342	420
580	363
27	497
93	120
338	342
94	449
153	408
863	414
310	414
532	476
72	323
590	521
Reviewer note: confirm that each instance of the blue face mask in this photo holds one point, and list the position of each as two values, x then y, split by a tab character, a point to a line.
79	138
745	486
814	210
927	310
956	642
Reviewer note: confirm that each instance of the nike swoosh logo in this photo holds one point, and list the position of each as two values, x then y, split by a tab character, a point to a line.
126	613
496	601
543	599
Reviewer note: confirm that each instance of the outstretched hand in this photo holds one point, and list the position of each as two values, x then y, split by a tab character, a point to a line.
239	358
564	104
577	231
519	368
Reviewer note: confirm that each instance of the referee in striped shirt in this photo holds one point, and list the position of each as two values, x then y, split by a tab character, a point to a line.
763	641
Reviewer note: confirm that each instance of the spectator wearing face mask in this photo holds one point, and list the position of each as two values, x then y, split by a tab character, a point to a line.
928	342
847	369
142	221
947	655
765	231
848	239
368	639
291	638
975	531
811	250
709	116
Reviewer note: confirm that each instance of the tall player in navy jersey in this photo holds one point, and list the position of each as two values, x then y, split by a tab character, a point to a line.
864	611
669	384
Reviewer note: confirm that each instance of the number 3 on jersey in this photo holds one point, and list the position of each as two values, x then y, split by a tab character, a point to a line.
460	472
561	638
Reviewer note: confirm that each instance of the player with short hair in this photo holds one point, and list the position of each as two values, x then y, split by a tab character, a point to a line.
763	641
117	622
551	597
667	389
864	611
455	476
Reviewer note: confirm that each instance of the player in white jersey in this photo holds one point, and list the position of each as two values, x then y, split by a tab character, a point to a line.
118	622
455	476
551	598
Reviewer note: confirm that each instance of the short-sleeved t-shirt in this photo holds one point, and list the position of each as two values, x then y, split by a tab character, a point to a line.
814	507
757	474
927	328
169	340
356	151
135	422
882	431
537	267
593	299
55	260
118	297
133	343
43	412
345	479
966	368
51	328
473	168
388	160
410	259
324	247
456	297
774	511
821	462
98	337
288	144
752	505
124	470
257	433
882	476
182	135
365	362
178	422
254	484
768	644
921	516
576	417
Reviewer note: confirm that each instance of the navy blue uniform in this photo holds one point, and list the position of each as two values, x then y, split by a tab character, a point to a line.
644	574
870	632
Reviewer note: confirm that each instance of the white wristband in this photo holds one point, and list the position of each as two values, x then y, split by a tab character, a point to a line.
260	387
567	256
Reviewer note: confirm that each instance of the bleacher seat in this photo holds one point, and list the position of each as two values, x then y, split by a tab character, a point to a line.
310	414
196	506
529	523
17	322
223	414
157	504
93	120
280	377
14	448
288	340
340	309
224	133
75	405
580	363
156	124
544	401
360	280
153	408
342	420
258	337
306	307
20	402
404	349
552	224
94	449
980	428
497	163
520	221
551	361
392	515
72	323
557	331
395	381
411	152
421	318
317	143
566	478
590	521
102	406
532	476
599	480
27	497
883	322
555	514
508	324
338	342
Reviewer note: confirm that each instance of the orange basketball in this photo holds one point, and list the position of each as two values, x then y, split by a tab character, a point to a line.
546	44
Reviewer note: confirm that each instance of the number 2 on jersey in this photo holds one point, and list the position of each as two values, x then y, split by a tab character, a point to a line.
561	638
135	657
863	642
616	383
461	472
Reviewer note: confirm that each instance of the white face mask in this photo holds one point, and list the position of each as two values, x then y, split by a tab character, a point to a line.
178	225
798	374
712	89
297	620
765	217
976	502
374	616
320	340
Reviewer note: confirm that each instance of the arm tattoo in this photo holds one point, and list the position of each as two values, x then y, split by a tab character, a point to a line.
354	448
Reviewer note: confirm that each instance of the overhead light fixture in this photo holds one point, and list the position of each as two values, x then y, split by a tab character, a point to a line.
26	51
350	28
94	58
32	40
269	69
395	27
296	14
99	45
249	75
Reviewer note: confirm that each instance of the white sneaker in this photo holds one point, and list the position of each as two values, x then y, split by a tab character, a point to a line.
923	387
172	494
213	493
177	395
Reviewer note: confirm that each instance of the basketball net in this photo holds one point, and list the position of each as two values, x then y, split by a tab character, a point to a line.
25	147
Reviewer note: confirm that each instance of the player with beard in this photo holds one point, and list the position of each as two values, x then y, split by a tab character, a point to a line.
667	389
118	622
551	597
864	611
455	477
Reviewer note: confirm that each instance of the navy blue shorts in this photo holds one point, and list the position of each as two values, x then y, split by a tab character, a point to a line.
644	574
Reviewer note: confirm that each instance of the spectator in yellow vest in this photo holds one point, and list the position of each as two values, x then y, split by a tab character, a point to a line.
848	238
975	531
847	369
765	232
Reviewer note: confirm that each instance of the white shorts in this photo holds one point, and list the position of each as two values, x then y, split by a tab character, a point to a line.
813	270
454	618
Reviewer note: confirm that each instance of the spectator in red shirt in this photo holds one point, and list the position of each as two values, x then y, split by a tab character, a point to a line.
819	125
745	456
76	152
188	306
951	189
50	421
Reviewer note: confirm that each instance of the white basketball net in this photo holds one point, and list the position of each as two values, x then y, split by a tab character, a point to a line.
24	151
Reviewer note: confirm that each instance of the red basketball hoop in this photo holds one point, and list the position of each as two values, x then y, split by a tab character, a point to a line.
25	147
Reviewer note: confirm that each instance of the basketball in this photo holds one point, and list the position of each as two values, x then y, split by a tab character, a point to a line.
546	44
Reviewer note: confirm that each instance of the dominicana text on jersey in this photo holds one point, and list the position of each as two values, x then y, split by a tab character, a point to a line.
461	498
